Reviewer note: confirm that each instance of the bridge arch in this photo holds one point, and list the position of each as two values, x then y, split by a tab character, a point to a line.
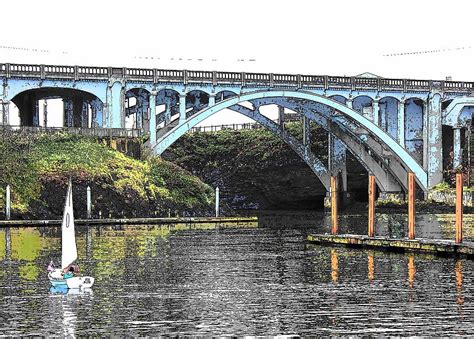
339	98
388	115
414	127
327	107
225	94
196	100
137	102
79	108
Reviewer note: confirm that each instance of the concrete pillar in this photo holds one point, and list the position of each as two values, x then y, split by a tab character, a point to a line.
182	108
36	114
425	135
152	111
306	131
281	115
116	106
107	122
401	123
168	111
98	115
84	114
457	159
349	103
94	116
212	100
337	161
434	140
375	112
6	112
145	105
68	112
45	113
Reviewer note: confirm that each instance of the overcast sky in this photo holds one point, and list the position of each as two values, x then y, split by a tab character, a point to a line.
339	37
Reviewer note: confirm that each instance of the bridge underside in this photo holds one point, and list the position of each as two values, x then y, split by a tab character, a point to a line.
366	141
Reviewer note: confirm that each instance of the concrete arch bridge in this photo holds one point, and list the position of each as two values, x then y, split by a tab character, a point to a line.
392	126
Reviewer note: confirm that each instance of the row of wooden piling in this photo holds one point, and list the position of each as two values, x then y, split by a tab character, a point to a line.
411	206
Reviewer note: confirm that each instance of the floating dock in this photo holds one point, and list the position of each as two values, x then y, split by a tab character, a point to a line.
433	246
131	221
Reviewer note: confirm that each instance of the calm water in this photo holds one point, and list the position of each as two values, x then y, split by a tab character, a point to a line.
253	280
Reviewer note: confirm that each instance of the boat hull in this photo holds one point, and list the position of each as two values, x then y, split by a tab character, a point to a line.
57	280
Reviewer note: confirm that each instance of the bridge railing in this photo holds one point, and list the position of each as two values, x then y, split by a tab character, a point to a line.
249	125
90	132
235	78
235	127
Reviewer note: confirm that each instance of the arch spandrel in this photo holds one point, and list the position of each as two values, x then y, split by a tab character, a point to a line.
411	165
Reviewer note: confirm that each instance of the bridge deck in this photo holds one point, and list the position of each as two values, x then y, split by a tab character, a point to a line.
434	246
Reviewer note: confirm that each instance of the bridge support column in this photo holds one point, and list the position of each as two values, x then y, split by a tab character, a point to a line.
457	158
281	116
68	112
375	112
306	132
6	112
45	113
182	108
337	165
349	102
84	114
36	114
434	161
97	111
401	123
152	110
212	100
167	111
115	104
425	136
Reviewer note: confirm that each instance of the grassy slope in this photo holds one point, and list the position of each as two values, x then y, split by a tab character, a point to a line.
38	167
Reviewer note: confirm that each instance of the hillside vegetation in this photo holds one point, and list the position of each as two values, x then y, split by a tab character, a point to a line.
38	167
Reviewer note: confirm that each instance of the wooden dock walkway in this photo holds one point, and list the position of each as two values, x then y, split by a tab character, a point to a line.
434	246
131	221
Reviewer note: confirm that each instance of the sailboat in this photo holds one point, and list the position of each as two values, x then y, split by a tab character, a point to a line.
69	250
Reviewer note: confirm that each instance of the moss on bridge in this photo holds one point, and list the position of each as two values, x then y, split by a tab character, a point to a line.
37	168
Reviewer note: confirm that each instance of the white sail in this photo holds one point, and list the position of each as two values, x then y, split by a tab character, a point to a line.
69	250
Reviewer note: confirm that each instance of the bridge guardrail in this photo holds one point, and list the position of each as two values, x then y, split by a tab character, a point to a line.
236	78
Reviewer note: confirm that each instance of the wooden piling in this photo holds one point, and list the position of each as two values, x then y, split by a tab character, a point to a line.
334	266
459	207
411	205
334	213
411	270
370	266
371	205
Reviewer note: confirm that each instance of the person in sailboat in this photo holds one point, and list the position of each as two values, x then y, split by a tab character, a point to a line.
69	273
51	266
73	269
